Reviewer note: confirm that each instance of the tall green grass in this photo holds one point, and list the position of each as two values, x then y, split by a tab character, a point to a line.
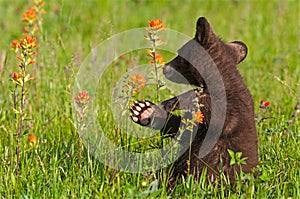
62	167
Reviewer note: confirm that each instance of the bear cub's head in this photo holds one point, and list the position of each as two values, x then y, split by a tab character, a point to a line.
180	70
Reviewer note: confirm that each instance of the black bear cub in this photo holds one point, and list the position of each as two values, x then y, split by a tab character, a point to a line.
238	132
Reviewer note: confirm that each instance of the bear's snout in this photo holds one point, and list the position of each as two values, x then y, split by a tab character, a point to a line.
167	70
173	75
170	73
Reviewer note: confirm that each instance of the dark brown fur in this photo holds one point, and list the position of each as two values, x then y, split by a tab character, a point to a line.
238	134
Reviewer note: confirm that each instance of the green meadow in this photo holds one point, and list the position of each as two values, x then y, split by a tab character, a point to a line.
61	166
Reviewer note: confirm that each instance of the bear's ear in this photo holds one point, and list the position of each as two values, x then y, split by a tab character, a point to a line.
204	33
240	50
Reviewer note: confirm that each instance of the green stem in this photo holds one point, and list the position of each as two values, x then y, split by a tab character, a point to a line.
155	69
157	82
17	128
22	105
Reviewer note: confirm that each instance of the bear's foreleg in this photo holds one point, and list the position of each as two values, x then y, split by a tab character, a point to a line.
154	116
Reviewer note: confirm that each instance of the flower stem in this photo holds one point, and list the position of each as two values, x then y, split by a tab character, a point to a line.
155	69
17	128
22	106
157	82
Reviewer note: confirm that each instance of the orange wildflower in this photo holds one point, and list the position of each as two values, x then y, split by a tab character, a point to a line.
198	116
29	16
158	57
264	104
28	42
137	80
16	77
31	62
32	140
82	98
156	24
14	44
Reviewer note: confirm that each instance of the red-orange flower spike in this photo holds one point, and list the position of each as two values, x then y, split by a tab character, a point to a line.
29	16
159	58
14	44
156	24
32	140
198	116
28	43
264	104
137	80
30	40
82	98
16	76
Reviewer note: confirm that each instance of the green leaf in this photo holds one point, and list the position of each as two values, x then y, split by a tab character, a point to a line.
264	176
238	155
232	161
231	153
243	160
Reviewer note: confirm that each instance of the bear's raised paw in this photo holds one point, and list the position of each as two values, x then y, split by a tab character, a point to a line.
148	114
142	112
